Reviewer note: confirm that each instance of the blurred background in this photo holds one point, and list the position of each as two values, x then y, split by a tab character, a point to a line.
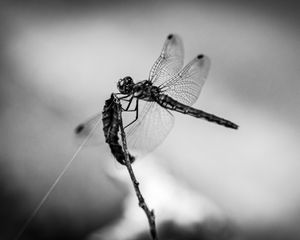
59	61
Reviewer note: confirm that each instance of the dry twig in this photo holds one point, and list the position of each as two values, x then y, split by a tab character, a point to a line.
149	213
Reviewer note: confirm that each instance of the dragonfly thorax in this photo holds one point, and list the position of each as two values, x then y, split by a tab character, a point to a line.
145	90
125	85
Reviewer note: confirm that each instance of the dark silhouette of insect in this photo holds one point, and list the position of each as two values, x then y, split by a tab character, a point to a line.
170	86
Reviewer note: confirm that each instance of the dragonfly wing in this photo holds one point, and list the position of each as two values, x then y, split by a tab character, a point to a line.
169	62
83	130
186	85
152	127
143	136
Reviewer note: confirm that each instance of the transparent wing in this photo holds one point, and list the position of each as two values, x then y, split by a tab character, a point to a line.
152	127
169	62
185	86
83	130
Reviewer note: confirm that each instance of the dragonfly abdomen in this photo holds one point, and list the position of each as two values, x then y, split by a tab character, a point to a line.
111	126
171	104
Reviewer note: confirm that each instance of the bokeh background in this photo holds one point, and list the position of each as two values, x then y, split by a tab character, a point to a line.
59	61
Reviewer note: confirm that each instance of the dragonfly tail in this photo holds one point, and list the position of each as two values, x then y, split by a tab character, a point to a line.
169	103
212	118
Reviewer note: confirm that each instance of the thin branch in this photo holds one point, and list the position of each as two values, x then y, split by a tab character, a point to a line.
150	214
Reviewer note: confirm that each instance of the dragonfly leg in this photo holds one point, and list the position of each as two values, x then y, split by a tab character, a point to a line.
123	97
136	114
117	94
117	99
128	106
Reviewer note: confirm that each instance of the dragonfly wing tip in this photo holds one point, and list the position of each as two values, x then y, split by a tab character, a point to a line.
79	128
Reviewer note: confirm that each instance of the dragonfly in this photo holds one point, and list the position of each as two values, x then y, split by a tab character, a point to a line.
169	87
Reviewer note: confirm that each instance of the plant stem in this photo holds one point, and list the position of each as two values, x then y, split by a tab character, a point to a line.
150	214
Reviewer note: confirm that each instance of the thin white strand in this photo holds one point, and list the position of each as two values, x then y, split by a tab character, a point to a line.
43	200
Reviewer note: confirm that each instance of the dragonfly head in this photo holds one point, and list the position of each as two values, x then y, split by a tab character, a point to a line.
125	85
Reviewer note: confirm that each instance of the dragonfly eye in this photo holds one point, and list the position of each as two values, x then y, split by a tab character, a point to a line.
125	85
128	80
